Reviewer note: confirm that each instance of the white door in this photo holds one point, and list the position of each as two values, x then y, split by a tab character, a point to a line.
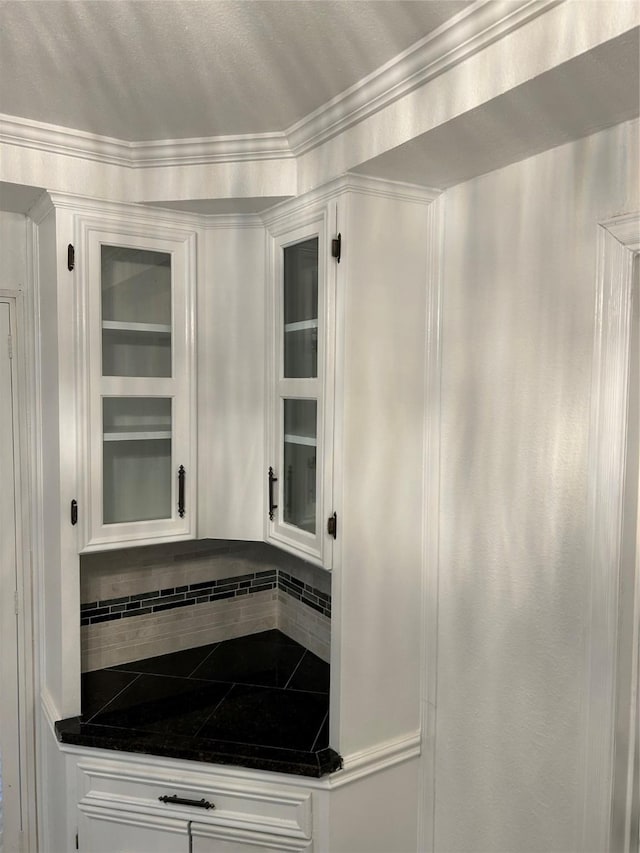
10	801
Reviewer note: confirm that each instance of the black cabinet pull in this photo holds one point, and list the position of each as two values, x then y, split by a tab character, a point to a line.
182	801
74	511
181	475
272	506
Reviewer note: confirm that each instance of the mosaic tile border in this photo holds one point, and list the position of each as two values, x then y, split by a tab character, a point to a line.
156	601
308	595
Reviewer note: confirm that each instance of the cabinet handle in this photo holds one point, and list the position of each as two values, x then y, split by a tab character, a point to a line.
272	506
181	475
182	801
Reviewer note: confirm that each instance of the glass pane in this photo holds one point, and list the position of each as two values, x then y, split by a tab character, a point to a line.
300	417
136	312
136	458
301	309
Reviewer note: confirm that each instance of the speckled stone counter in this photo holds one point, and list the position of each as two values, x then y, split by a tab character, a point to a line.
260	702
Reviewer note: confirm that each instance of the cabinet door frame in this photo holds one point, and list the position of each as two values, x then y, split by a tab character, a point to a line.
304	225
91	233
91	816
232	838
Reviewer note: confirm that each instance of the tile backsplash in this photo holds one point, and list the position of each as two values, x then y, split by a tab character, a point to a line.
140	602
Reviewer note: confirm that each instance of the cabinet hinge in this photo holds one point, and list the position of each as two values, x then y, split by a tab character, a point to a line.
336	247
74	511
15	602
332	525
71	257
10	345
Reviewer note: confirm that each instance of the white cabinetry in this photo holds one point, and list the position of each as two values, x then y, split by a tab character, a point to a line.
126	807
300	386
136	356
117	319
345	395
347	380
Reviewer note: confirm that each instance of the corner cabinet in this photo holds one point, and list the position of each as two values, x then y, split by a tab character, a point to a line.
136	281
300	362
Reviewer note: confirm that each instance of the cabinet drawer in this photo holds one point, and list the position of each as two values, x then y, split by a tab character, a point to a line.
235	803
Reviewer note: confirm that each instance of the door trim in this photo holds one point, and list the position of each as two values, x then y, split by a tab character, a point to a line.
618	242
26	658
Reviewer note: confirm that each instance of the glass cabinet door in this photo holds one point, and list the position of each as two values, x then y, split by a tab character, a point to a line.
299	455
136	468
300	294
136	312
139	291
299	473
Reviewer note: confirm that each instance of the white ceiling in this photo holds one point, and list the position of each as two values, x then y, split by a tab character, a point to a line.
172	69
211	74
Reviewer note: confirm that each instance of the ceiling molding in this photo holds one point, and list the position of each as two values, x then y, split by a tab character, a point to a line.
54	139
386	188
136	212
213	149
458	39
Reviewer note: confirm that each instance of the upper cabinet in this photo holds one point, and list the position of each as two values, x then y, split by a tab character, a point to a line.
117	325
137	284
300	386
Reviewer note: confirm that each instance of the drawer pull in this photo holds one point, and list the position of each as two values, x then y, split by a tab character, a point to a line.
182	801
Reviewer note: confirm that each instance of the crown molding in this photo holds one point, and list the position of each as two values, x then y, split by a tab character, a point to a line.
386	188
213	149
54	139
483	23
148	154
457	39
134	211
350	182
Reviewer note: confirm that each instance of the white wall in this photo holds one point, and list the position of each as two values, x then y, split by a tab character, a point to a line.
518	328
13	251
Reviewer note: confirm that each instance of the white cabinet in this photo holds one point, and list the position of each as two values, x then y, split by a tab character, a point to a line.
348	343
117	320
127	807
300	385
137	365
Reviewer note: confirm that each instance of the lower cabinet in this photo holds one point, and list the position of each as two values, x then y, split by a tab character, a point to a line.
130	807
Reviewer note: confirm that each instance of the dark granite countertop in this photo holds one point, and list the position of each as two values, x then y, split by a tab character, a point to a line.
260	702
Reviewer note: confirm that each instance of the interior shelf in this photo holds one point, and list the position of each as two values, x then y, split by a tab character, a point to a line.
138	435
119	326
307	440
301	325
